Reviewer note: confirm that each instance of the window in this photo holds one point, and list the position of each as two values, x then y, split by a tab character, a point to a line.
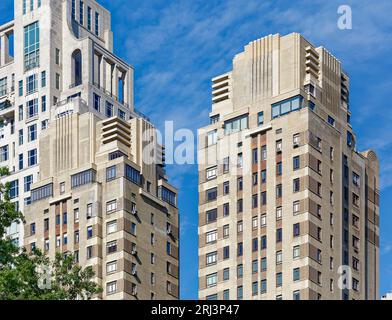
111	247
24	6
255	289
296	185
211	173
97	24
226	294
296	274
279	279
254	156
279	235
32	157
236	124
111	267
296	163
211	279
255	244
263	220
211	215
263	264
240	206
264	153
263	242
32	108
296	230
355	284
239	293
263	176
20	113
296	140
133	228
3	86
264	198
226	165
263	286
356	179
254	179
356	221
296	252
211	258
240	161
89	232
239	184
65	239
81	12
212	137
226	252
260	118
89	253
108	109
20	86
239	227
240	249
121	114
32	132
31	84
255	266
83	178
279	169
279	257
331	121
28	180
254	201
286	106
226	187
279	146
355	264
43	103
31	46
73	10
355	243
4	153
279	191
296	207
57	81
226	274
111	287
89	18
355	200
96	102
255	223
226	230
297	295
111	173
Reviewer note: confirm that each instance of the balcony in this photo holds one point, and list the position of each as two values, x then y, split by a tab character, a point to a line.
6	109
111	95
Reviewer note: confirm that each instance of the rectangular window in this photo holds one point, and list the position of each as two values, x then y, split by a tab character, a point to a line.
263	176
211	194
260	118
57	81
264	198
89	17
278	257
296	252
4	156
211	215
32	157
286	106
82	178
24	6
14	189
263	264
212	137
108	109
226	274
73	9
81	12
111	287
279	169
226	252
3	86
32	132
211	236
31	84
111	247
211	173
31	46
28	181
111	173
20	162
43	103
254	156
279	279
111	267
111	206
278	213
57	56
296	163
211	279
111	227
32	108
211	258
97	102
296	185
236	124
263	242
226	165
263	286
296	230
97	24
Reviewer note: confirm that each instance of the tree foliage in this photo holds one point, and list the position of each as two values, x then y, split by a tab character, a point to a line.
33	276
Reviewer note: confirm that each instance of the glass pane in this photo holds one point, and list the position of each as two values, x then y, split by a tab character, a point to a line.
285	107
275	111
295	104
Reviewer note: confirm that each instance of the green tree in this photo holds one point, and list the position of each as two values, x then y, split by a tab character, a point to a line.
33	276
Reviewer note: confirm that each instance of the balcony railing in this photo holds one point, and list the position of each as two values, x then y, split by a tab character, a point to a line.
110	94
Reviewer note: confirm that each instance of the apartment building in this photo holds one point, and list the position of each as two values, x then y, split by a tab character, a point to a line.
288	208
76	148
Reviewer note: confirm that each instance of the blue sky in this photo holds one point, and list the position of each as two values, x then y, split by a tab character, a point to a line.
177	46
